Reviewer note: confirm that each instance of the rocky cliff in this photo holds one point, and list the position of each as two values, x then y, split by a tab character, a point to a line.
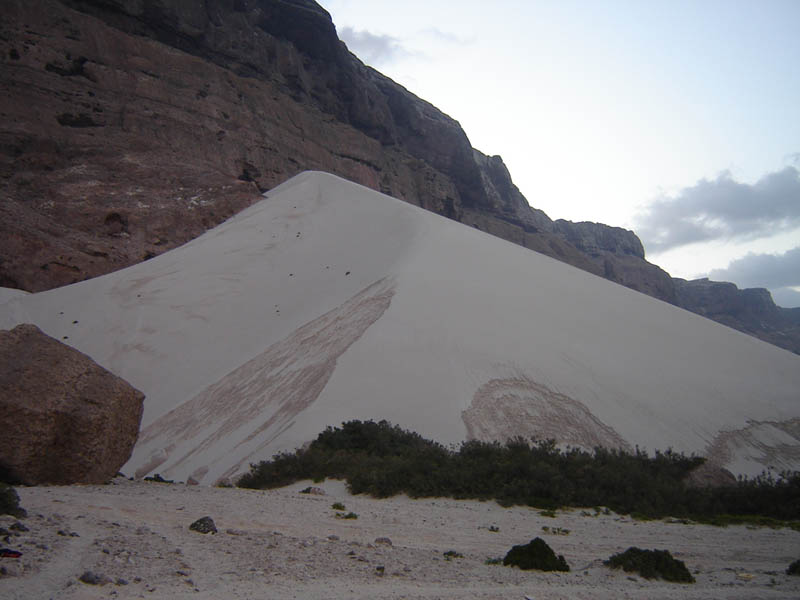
130	127
750	310
133	127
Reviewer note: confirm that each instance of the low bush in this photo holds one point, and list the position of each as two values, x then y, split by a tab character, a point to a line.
157	478
536	554
337	506
350	515
651	564
555	530
794	568
383	460
9	502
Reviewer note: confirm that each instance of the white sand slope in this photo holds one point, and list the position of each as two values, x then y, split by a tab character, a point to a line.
328	301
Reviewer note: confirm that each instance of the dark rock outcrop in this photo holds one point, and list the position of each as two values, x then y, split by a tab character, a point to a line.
129	128
596	238
64	418
620	255
750	310
204	525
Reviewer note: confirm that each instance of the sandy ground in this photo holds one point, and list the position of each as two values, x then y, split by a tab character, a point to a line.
135	536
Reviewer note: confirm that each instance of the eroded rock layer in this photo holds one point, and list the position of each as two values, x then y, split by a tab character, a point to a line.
130	128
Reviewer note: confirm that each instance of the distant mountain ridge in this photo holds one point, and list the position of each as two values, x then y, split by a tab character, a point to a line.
131	128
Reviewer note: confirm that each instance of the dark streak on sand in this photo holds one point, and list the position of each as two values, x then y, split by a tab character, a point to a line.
252	404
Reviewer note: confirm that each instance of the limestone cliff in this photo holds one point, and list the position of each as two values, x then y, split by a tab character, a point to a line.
620	254
750	310
131	127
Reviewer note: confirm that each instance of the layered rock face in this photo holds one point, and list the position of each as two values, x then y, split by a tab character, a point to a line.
133	127
64	418
129	128
620	254
750	310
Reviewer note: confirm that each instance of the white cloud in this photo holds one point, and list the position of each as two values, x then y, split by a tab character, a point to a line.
786	297
763	270
722	209
446	37
374	49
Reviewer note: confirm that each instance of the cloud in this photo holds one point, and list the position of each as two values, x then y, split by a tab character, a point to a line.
786	297
763	270
446	37
722	209
373	49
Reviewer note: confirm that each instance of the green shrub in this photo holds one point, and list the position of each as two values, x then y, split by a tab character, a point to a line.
337	506
9	502
451	554
794	568
651	564
555	530
383	460
535	555
493	560
350	515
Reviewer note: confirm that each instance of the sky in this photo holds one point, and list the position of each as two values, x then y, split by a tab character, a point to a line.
677	119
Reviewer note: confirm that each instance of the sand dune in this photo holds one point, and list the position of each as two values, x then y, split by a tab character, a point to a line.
327	301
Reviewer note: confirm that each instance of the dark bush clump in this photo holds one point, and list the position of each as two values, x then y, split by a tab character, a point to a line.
794	568
383	460
158	479
535	555
9	502
651	564
349	515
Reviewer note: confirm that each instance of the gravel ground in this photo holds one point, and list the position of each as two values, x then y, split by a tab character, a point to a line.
132	540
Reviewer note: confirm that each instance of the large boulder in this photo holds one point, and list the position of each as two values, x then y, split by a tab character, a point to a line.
64	419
